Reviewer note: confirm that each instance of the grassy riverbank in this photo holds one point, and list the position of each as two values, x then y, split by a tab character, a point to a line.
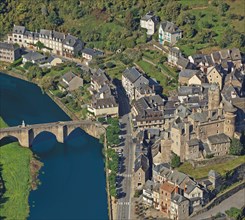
17	176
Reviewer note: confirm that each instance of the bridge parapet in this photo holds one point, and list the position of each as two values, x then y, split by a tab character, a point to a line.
61	129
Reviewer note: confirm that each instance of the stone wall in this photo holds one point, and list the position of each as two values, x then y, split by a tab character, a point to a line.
95	129
219	199
212	161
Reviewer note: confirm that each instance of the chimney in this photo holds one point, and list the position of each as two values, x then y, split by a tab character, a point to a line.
176	189
185	188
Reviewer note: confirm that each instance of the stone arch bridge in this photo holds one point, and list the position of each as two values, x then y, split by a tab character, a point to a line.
27	133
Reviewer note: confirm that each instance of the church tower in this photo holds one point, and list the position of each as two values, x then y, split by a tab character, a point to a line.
230	118
213	97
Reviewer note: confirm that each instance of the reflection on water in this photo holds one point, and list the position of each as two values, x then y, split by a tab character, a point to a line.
72	178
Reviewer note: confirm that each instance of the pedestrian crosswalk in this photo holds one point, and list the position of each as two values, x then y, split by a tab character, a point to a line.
123	203
127	175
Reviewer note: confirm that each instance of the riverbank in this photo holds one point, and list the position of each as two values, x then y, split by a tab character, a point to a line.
19	176
11	73
56	100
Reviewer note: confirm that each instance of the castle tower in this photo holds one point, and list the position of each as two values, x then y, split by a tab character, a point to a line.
213	97
230	118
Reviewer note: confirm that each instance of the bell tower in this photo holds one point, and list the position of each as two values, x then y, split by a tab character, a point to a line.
213	97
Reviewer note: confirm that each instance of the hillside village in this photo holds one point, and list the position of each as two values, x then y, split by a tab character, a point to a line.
198	121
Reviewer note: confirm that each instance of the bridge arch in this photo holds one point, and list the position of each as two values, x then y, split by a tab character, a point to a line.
8	139
33	137
71	131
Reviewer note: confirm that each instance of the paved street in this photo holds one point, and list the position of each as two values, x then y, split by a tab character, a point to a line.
124	200
237	200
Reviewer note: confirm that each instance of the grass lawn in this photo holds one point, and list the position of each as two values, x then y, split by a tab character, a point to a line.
15	170
207	13
153	72
202	172
2	123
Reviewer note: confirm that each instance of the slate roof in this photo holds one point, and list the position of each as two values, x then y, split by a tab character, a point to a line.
235	54
141	162
140	81
189	90
33	55
148	108
178	199
225	54
183	62
228	91
149	184
190	186
7	46
228	107
46	32
209	60
68	76
169	27
193	142
186	73
203	116
58	35
132	74
71	41
219	139
182	111
149	16
92	52
19	29
108	102
99	77
216	57
198	58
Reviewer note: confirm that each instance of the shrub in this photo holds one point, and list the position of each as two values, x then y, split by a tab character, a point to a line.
110	65
175	160
236	147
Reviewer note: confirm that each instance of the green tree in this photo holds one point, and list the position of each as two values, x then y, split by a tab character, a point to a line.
235	213
172	10
40	45
175	160
236	147
224	7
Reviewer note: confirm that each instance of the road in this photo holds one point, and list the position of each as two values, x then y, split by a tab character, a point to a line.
237	200
124	201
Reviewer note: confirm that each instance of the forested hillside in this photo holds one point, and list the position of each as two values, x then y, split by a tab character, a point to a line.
113	24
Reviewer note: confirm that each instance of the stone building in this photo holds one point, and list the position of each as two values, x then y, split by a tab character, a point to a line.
141	171
203	130
149	22
167	190
179	209
9	52
56	42
169	32
148	112
215	75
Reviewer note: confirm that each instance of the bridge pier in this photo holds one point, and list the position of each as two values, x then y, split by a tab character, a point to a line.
24	138
61	134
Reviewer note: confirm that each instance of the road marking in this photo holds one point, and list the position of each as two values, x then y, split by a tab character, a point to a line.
123	203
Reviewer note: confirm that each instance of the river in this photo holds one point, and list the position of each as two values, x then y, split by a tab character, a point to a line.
73	183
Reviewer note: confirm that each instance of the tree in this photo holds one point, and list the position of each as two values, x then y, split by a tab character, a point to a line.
40	45
235	213
236	147
175	160
129	20
224	7
110	65
172	10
